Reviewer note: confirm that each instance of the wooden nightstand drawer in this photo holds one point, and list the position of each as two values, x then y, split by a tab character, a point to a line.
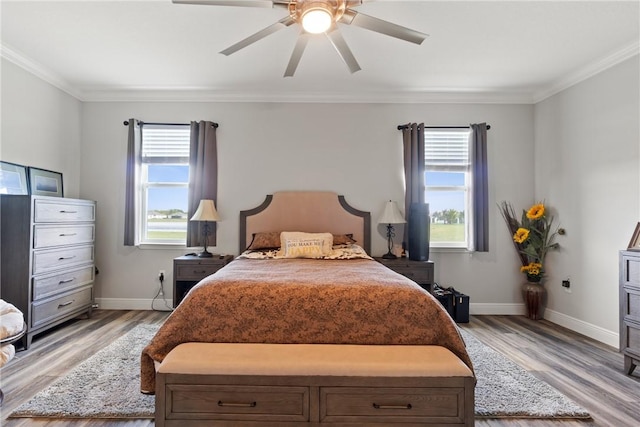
238	403
420	272
196	271
418	275
415	405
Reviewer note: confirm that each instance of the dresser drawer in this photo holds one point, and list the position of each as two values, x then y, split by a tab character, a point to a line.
48	260
196	271
416	405
46	210
242	403
45	286
46	236
50	310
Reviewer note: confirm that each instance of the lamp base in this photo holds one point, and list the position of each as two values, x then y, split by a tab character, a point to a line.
205	254
389	255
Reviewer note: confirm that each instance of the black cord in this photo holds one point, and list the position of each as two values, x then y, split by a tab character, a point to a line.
160	291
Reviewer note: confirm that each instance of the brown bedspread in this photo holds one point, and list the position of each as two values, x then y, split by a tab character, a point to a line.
304	301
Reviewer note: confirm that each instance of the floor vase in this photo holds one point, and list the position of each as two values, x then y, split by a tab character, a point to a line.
534	295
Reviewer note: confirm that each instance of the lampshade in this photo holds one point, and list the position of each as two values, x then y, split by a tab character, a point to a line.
206	211
391	214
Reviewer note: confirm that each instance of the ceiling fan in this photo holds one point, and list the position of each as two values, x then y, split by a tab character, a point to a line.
315	17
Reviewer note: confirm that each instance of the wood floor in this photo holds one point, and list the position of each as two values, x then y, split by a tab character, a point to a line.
589	373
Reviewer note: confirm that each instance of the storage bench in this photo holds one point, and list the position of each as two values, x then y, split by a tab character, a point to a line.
295	385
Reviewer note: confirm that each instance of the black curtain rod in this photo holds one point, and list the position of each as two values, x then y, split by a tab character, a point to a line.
401	127
126	123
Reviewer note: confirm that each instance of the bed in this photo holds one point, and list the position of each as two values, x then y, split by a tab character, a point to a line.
266	303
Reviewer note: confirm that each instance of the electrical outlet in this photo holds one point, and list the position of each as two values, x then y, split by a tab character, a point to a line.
161	275
566	284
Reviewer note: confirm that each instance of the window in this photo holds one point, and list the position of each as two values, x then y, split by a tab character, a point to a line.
447	186
164	184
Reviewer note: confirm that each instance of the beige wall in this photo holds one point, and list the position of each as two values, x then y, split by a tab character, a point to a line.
587	158
40	126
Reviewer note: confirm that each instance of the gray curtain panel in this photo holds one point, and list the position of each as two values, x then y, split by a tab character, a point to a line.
480	188
413	144
203	177
134	144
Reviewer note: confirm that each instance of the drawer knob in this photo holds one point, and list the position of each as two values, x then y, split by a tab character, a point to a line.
67	234
237	404
62	258
62	282
63	211
200	272
64	304
377	406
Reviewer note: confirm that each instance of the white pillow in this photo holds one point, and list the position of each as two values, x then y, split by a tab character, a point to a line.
295	244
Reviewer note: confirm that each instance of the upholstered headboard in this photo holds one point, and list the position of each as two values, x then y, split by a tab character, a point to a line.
307	211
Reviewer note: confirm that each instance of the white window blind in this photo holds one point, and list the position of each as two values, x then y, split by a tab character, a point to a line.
165	144
446	150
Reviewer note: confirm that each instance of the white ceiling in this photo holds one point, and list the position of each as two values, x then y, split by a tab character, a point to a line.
487	51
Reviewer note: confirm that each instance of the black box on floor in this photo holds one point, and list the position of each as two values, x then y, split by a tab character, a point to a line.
447	302
460	307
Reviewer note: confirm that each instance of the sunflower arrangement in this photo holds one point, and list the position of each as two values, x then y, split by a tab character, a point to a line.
533	236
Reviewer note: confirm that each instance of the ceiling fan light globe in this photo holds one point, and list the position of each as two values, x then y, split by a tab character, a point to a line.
317	20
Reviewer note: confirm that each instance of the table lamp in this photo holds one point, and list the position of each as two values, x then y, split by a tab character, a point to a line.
206	212
391	215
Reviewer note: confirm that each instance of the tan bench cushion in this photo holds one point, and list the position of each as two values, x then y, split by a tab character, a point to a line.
313	359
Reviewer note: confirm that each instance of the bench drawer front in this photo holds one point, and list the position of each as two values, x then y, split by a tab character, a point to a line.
48	311
49	236
63	211
243	403
44	286
416	405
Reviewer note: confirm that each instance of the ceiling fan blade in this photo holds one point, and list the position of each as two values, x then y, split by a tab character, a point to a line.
283	23
296	55
237	3
384	27
345	53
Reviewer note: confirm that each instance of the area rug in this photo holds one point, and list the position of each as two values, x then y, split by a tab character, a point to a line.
107	386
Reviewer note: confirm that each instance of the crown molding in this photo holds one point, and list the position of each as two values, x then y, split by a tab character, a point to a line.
588	71
38	70
207	95
417	96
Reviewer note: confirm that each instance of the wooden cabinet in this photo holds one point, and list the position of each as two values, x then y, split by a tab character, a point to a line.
47	258
189	270
421	272
630	309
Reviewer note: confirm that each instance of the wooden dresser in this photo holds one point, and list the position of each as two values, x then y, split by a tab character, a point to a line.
630	309
47	258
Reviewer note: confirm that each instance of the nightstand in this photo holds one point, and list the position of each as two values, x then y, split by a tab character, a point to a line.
189	270
420	272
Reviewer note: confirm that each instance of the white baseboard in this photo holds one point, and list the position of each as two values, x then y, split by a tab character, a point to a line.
496	309
133	304
592	331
